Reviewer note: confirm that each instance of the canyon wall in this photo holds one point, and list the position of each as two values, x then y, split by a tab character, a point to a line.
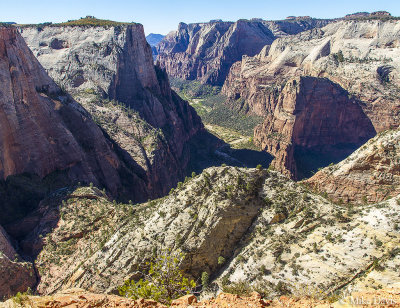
359	57
110	71
46	138
206	51
313	123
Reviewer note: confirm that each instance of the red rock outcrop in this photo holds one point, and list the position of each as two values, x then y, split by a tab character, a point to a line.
206	51
312	121
338	52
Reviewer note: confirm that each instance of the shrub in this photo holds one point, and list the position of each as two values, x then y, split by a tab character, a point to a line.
240	288
164	281
20	298
204	280
221	260
339	56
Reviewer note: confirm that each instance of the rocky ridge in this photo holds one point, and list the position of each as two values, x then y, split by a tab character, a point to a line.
370	174
273	234
206	51
16	275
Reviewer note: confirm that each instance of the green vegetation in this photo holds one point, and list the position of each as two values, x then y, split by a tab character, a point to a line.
194	88
20	298
339	57
222	118
241	288
164	281
89	21
205	280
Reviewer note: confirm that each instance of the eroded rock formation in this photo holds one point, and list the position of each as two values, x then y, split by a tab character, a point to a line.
371	174
16	275
360	56
206	51
46	138
312	123
271	232
110	71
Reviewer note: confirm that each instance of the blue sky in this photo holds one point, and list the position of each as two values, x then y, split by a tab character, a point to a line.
162	16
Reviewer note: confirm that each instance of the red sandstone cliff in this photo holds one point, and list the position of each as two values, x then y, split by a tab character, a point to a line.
360	57
43	132
150	123
312	121
206	51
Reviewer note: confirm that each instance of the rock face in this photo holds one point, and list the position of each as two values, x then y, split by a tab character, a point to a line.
360	56
45	136
311	123
204	228
371	174
110	71
206	51
274	235
16	275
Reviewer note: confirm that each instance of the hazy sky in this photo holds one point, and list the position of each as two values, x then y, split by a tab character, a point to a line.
162	16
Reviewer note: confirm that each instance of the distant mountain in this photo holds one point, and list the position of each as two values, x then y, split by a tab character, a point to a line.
153	39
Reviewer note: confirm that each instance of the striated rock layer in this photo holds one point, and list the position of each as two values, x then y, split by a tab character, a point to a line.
110	71
312	122
371	174
206	51
359	56
272	234
46	138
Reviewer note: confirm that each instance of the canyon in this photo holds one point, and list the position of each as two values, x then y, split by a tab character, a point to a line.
104	168
206	51
338	73
110	72
360	59
49	140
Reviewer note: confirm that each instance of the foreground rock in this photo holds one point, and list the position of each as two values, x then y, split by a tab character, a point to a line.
245	227
389	297
206	51
359	57
371	174
94	236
